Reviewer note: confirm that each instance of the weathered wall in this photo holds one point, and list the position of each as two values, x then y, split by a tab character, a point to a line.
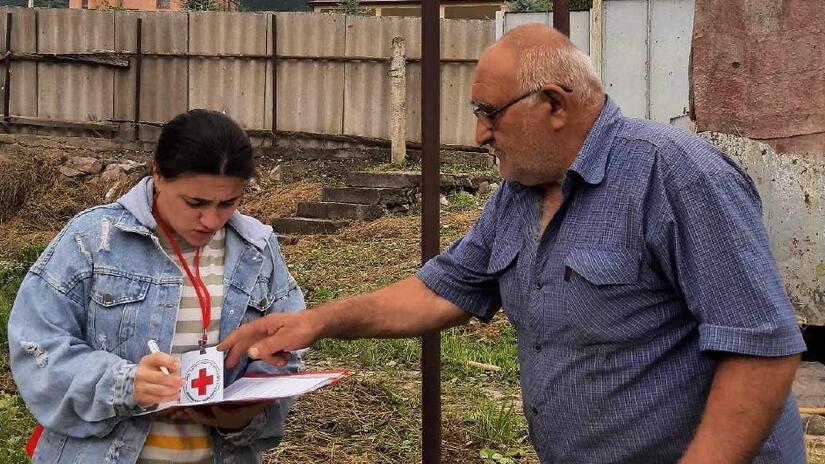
332	78
792	188
759	71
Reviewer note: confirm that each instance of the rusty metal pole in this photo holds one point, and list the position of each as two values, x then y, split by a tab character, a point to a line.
430	191
138	72
7	82
561	16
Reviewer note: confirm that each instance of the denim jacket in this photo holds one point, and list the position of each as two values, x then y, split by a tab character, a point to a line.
92	300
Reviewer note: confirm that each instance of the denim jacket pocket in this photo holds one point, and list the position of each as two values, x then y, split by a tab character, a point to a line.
260	298
114	302
602	291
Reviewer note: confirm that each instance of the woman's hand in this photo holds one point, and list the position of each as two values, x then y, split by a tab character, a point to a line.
153	386
226	418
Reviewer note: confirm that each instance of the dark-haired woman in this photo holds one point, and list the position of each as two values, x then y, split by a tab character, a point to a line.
172	262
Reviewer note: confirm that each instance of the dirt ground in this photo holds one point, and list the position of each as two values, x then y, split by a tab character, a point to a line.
371	416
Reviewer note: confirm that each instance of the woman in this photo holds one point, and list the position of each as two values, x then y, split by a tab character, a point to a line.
171	261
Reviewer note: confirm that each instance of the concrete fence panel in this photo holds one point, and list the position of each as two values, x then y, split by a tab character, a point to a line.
75	92
242	82
164	80
310	94
23	98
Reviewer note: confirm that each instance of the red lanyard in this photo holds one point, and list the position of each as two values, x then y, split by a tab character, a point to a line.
201	291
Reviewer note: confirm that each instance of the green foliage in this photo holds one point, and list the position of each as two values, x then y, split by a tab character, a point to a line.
527	6
352	8
201	5
11	274
463	201
15	426
501	428
15	421
536	6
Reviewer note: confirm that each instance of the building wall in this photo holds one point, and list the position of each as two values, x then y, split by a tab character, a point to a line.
759	71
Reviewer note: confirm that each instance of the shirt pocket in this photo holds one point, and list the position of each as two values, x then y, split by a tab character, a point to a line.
114	304
603	296
503	266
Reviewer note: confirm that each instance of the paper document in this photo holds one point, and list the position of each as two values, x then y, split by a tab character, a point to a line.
262	388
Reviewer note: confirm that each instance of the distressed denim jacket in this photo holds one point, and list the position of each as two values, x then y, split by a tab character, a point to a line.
88	306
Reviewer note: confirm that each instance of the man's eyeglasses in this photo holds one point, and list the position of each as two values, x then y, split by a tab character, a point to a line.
488	115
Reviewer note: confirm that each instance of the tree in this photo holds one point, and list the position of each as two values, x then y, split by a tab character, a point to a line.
201	5
536	6
351	8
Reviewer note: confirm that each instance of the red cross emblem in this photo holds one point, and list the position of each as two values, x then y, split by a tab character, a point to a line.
202	381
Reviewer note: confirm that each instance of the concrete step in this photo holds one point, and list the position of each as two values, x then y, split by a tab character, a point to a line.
411	179
394	180
330	210
368	196
306	226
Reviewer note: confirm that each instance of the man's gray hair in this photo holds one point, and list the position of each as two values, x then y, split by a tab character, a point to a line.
565	66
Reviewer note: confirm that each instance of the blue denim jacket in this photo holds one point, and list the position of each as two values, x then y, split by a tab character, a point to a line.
93	299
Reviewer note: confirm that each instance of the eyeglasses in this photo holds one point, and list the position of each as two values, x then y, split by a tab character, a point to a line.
488	115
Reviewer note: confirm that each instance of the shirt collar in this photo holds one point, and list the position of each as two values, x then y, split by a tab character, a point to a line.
591	160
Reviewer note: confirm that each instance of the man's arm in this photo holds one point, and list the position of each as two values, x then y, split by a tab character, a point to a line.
746	398
403	309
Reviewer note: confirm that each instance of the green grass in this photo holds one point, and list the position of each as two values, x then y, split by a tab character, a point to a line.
15	426
464	201
16	422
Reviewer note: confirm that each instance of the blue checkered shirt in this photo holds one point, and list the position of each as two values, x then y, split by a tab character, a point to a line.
657	259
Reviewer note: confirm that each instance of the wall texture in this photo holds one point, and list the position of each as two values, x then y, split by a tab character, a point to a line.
759	71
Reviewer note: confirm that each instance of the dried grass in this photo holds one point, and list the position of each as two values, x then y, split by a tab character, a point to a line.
271	200
21	177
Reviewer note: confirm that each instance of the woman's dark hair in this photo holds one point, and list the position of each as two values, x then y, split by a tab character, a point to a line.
204	142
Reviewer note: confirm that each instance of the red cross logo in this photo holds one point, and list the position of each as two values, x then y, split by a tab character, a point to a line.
202	382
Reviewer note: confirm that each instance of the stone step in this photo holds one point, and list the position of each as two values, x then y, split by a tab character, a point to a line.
368	196
330	210
395	180
307	226
412	179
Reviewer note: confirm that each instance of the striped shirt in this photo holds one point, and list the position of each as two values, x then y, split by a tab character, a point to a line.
179	442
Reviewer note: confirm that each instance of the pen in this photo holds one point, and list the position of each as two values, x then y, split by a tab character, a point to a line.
153	347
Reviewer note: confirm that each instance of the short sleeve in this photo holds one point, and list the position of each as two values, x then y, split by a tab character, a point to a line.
721	257
460	274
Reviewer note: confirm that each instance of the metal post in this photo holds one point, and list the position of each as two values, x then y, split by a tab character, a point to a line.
398	101
430	190
596	35
274	76
138	72
561	16
7	83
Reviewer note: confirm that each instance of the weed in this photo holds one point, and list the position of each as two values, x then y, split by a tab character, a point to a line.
463	201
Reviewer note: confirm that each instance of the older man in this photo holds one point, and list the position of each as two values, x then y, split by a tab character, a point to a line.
631	258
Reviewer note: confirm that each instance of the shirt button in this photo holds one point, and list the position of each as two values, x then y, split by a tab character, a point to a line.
539	285
537	347
535	411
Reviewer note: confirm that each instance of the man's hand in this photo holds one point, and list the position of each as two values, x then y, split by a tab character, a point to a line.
404	309
153	386
226	418
272	337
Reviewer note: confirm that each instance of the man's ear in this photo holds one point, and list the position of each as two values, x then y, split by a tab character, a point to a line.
559	101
